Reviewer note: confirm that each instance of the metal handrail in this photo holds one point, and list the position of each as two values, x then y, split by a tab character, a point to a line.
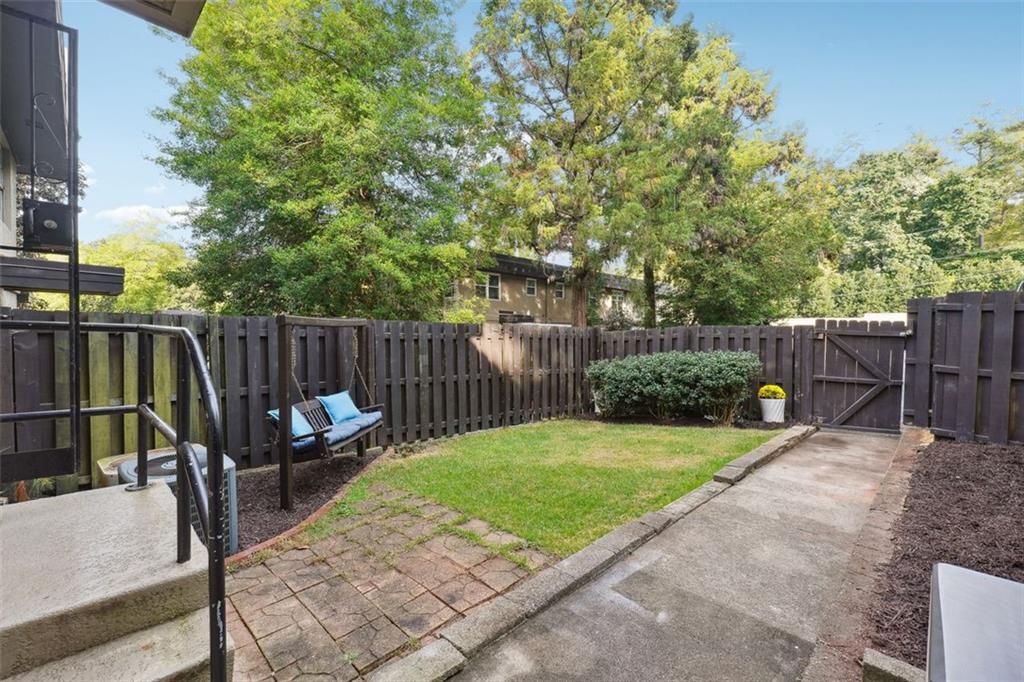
208	499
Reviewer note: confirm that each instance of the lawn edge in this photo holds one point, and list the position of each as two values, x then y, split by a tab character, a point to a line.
493	619
739	468
240	559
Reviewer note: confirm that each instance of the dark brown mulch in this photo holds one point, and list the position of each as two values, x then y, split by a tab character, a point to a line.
965	506
690	421
260	516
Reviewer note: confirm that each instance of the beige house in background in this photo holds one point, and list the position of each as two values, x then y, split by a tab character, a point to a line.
526	290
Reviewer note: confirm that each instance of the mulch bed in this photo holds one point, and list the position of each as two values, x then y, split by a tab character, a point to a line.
965	506
260	516
690	421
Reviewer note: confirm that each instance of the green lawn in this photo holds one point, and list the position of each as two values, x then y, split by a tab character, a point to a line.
562	484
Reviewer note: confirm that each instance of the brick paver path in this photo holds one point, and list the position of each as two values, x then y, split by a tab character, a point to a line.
390	575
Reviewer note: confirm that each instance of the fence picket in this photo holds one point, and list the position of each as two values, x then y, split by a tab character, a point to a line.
1002	366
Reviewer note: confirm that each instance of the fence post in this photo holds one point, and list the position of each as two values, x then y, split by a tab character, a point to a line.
1002	366
921	339
284	421
967	383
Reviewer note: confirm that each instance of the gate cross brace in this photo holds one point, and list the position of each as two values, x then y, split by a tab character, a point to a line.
884	381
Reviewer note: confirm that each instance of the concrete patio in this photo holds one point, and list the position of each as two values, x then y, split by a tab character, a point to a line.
737	590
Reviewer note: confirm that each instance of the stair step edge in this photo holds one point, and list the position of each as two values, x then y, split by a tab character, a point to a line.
178	650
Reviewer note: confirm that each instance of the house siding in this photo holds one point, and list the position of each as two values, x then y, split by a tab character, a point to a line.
544	307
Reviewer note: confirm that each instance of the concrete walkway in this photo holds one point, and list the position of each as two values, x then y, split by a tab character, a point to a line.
734	591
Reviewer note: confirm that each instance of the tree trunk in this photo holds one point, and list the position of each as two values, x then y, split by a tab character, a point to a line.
650	296
579	306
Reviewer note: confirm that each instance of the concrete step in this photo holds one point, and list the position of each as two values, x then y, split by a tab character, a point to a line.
177	650
83	569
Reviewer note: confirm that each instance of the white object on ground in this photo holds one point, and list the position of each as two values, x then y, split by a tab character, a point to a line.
773	409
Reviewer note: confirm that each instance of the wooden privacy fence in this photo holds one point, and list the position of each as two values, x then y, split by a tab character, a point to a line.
965	366
434	379
965	373
441	379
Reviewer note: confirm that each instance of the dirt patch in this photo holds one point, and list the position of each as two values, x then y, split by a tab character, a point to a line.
965	507
260	516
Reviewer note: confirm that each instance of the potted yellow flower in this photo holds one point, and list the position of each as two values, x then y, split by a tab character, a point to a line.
773	403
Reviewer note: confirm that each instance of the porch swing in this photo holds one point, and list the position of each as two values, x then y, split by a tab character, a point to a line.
325	425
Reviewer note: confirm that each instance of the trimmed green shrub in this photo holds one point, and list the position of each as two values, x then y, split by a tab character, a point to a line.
676	384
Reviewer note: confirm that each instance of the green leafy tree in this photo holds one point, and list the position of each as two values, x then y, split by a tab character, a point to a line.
152	262
562	82
330	140
913	223
998	156
678	156
756	250
470	310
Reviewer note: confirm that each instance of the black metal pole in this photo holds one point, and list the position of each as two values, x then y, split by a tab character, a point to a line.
142	430
216	571
32	108
74	331
184	388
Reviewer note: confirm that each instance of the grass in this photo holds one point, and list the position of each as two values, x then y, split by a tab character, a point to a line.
562	484
324	526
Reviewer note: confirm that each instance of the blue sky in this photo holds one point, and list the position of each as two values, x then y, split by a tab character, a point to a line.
854	76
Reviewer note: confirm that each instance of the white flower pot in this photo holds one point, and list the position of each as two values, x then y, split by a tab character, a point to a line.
773	409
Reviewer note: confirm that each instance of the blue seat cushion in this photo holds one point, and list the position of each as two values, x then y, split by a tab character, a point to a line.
300	427
345	429
339	406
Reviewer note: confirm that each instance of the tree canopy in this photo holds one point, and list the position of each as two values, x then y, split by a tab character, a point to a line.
913	223
563	82
151	260
330	140
354	163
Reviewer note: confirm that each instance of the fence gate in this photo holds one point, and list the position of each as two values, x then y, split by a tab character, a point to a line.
858	374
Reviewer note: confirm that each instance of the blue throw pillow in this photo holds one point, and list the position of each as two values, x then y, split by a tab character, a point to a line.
300	425
339	406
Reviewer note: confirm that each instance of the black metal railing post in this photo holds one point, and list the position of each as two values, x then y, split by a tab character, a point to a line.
142	430
181	427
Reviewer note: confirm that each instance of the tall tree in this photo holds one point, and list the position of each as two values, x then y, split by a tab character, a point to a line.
562	81
677	160
757	246
330	139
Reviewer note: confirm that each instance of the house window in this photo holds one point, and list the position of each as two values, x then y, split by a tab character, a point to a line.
618	297
531	286
559	289
490	288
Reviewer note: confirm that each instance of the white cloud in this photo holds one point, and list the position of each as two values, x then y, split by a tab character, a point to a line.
173	216
155	189
90	175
